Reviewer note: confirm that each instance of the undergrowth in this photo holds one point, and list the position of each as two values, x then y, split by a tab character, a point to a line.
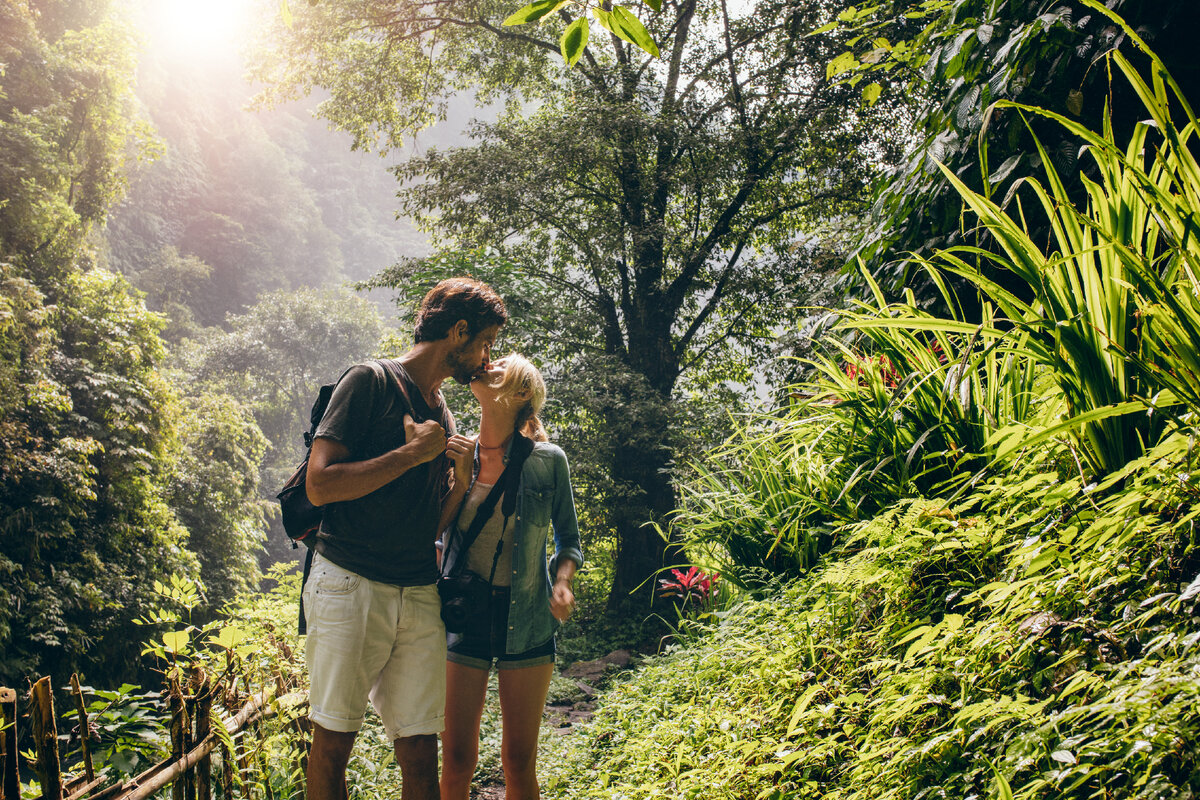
1036	639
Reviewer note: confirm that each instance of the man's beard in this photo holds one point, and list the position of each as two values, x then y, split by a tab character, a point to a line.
462	370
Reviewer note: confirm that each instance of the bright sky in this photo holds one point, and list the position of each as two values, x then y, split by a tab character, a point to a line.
198	30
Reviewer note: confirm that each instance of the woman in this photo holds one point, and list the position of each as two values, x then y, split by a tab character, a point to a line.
528	598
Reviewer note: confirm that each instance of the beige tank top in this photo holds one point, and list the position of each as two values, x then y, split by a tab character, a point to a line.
483	549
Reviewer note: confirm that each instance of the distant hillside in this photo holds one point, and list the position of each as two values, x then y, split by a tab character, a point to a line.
241	202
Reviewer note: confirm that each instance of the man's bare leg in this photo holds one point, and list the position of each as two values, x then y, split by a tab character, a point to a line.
327	764
417	757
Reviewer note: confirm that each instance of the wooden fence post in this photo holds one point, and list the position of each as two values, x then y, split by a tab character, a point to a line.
177	727
244	739
202	691
189	740
85	733
45	737
10	780
229	754
226	771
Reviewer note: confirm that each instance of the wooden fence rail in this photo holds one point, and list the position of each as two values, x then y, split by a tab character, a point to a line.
189	769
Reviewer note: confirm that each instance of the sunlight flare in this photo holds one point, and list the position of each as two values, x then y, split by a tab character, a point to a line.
191	29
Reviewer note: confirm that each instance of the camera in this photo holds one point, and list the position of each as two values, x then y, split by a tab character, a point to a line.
465	601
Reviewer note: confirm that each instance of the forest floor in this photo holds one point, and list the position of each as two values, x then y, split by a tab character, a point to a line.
563	715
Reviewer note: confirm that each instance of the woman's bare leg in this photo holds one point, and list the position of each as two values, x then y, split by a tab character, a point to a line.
466	688
522	702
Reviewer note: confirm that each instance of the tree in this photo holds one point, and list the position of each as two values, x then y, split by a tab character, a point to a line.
87	419
238	204
271	361
655	205
214	492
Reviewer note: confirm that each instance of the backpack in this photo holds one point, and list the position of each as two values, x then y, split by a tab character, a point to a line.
301	519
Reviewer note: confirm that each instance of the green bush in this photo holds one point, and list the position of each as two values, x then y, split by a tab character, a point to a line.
1031	639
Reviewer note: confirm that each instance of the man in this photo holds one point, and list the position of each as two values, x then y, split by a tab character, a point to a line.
378	466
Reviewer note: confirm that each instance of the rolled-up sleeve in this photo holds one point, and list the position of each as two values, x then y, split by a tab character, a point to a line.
563	518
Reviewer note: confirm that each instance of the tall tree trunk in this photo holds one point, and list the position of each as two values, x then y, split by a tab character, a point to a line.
641	550
646	428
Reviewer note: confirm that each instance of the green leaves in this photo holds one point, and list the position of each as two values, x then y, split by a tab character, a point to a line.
574	40
624	25
534	11
229	637
176	642
842	63
620	22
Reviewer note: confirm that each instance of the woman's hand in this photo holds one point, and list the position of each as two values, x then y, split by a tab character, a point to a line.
461	452
562	600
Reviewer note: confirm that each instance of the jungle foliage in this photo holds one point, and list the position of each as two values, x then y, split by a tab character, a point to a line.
949	62
87	425
983	535
114	473
237	204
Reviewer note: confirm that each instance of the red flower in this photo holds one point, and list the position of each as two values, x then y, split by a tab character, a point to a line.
858	370
695	585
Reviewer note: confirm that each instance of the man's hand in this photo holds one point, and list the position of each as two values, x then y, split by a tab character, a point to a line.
427	438
461	451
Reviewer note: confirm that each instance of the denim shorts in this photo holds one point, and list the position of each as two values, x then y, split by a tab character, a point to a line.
479	648
369	640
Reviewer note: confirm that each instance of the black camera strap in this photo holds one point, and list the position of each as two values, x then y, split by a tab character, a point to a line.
505	485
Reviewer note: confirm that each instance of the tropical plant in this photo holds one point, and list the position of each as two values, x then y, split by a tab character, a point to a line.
252	650
950	61
1032	640
917	406
1030	633
128	728
1083	319
692	590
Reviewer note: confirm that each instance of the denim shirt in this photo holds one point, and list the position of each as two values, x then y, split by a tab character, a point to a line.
544	501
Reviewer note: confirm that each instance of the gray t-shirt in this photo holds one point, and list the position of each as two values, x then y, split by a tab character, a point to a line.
387	535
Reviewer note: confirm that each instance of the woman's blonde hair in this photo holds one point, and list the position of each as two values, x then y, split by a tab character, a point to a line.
523	383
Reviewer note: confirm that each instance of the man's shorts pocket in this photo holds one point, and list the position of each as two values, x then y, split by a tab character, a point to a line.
333	580
329	593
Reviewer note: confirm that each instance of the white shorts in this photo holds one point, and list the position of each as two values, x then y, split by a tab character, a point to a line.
371	640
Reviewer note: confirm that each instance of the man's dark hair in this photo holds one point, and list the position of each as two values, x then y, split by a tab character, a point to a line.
454	299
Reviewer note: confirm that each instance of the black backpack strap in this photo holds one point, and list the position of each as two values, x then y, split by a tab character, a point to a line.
318	412
520	450
390	367
302	625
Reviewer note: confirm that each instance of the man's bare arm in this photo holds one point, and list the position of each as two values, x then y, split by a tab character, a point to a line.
332	478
